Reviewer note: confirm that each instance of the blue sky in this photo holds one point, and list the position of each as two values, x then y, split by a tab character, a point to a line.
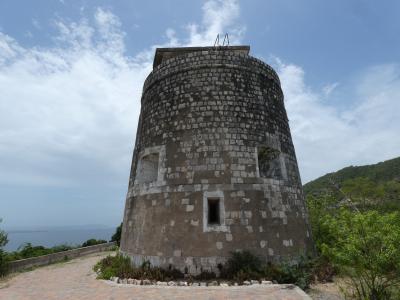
71	74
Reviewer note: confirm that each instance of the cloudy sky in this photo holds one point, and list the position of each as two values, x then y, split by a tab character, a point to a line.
71	74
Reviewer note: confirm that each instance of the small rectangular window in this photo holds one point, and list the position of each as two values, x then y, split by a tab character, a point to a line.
213	211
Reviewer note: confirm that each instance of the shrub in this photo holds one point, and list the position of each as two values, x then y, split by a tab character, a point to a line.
120	266
299	273
117	235
246	266
367	251
242	266
205	275
92	242
3	257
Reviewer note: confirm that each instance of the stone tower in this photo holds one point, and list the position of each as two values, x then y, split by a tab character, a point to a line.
214	168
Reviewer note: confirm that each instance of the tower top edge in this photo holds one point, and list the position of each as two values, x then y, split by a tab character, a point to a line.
163	54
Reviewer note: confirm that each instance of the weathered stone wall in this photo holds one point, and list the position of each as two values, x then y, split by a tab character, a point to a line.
43	260
216	122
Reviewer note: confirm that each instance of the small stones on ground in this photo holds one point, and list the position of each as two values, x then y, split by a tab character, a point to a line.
115	279
185	283
146	282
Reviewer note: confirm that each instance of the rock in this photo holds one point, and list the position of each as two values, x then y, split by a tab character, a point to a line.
130	281
224	284
182	283
146	282
203	284
171	283
246	282
266	282
137	282
195	284
213	283
235	284
254	282
162	283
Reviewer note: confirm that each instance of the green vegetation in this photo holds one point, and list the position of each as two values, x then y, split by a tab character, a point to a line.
3	257
243	266
28	250
240	267
369	187
120	266
355	218
117	235
92	242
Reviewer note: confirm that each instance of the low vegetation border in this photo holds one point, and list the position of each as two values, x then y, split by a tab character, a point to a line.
22	264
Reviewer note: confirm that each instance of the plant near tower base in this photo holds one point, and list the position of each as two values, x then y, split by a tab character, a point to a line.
3	258
367	251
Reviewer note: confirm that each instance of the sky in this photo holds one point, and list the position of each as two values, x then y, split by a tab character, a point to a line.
71	75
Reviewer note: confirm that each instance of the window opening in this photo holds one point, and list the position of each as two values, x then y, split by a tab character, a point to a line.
213	211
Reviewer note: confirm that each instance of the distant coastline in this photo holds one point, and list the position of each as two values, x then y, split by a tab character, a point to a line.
49	237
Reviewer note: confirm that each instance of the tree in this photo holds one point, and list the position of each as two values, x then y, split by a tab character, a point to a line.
3	258
367	250
117	235
92	242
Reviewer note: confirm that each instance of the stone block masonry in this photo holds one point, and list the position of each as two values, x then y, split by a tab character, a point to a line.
214	169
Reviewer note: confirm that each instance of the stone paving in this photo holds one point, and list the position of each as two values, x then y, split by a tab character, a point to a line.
75	280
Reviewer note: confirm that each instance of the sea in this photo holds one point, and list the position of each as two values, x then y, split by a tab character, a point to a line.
50	237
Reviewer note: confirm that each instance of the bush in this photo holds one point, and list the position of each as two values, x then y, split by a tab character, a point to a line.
117	235
92	242
367	251
3	257
246	266
28	251
120	266
299	273
242	266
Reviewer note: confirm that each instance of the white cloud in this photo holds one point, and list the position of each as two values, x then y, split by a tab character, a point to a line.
218	17
329	88
68	113
327	138
69	106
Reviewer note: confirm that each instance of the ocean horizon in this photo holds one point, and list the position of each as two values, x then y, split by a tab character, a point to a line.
50	237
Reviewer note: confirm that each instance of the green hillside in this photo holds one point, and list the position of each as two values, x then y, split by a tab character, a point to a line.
368	186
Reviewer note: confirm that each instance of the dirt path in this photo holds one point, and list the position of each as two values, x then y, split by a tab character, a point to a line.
75	280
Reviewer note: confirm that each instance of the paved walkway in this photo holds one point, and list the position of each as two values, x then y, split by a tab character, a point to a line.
75	280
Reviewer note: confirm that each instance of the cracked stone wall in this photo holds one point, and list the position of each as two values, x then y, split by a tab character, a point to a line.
215	120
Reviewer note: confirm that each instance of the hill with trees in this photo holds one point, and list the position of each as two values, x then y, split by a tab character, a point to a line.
367	187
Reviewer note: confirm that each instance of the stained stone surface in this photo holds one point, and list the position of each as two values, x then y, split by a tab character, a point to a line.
213	127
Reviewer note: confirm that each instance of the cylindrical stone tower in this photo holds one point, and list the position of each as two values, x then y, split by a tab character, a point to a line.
214	168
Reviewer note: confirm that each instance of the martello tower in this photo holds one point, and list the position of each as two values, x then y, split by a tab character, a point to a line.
214	168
